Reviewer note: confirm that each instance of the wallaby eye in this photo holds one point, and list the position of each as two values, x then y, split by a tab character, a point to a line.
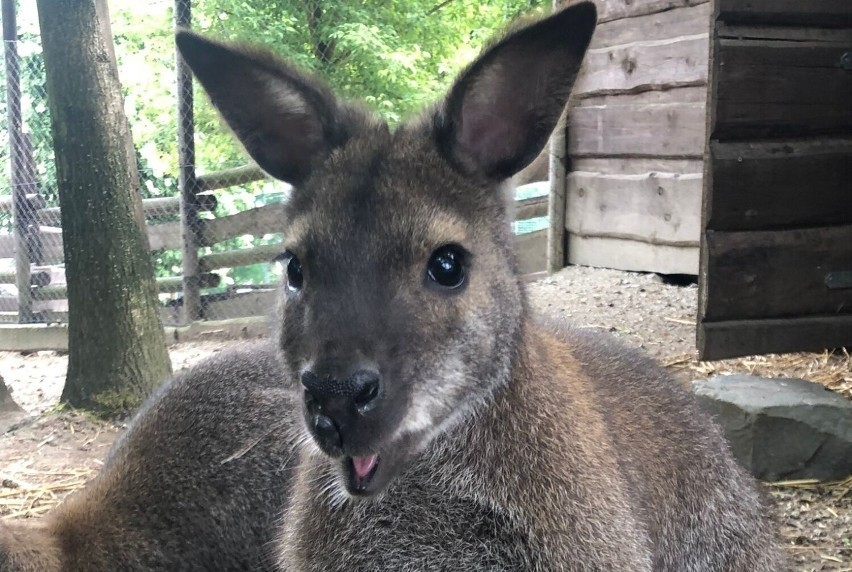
446	267
294	273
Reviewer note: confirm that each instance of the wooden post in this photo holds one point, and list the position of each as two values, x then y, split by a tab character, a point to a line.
20	208
187	182
556	203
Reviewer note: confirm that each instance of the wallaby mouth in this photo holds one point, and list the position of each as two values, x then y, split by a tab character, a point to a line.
361	471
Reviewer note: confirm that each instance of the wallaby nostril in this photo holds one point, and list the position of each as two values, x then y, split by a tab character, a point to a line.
366	388
368	394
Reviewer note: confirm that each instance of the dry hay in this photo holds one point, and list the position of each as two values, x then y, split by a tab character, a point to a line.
25	499
832	369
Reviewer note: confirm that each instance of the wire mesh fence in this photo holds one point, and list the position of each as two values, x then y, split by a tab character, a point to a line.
213	220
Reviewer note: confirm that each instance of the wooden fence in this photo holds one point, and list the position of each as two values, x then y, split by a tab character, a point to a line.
47	279
636	138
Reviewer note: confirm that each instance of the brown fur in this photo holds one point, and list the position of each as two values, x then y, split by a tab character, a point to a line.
196	483
504	443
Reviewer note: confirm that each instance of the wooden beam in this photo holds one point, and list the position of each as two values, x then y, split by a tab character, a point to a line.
775	274
633	255
229	178
644	66
159	206
242	257
681	20
654	208
531	208
757	182
628	126
728	339
34	201
611	10
780	89
826	13
257	221
531	251
167	284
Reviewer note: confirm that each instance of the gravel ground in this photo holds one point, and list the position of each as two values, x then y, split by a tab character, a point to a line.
815	519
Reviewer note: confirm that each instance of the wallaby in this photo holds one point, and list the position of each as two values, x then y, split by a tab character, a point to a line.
449	430
196	483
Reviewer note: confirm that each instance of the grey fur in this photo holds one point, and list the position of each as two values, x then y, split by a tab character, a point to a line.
195	484
504	443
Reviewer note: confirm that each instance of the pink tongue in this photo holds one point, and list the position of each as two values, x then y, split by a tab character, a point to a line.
363	465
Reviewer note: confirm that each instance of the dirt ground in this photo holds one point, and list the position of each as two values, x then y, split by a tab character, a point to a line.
56	451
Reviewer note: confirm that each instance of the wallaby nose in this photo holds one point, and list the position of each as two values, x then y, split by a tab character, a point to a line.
360	391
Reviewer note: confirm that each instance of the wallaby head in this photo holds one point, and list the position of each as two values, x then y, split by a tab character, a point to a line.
401	309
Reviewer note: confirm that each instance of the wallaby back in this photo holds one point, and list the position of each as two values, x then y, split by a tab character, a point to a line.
449	430
196	483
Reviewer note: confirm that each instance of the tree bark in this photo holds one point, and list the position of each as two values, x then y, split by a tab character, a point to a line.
116	348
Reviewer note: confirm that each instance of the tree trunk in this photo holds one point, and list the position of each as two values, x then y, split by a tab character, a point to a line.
116	348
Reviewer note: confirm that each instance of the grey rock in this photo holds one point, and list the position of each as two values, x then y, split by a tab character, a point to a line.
782	429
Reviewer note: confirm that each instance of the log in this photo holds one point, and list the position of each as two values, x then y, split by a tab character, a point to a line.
653	208
775	274
761	180
36	278
636	165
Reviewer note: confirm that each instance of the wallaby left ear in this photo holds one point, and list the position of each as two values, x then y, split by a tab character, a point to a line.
503	107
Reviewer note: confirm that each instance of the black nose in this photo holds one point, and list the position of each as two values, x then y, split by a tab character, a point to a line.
361	390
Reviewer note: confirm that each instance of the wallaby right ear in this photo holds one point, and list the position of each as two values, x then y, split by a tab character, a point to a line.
286	119
502	108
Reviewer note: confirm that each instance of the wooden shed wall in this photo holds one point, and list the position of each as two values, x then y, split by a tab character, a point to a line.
636	138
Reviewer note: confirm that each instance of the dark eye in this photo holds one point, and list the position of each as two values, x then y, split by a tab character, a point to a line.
294	273
446	267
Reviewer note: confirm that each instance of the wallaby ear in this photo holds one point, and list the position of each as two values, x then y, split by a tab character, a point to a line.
501	110
286	119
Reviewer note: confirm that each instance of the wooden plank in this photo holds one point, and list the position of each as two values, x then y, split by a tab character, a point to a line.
610	10
229	178
623	254
680	21
654	208
775	274
531	251
34	202
720	340
531	208
827	13
257	221
242	257
159	206
756	184
774	89
789	33
164	235
644	66
37	337
256	303
636	165
622	128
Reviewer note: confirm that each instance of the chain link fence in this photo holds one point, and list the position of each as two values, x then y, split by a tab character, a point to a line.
234	215
209	215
